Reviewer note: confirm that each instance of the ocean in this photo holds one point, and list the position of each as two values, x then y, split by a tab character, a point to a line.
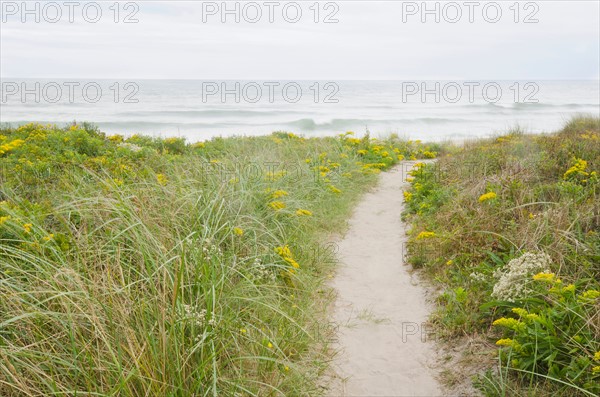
199	110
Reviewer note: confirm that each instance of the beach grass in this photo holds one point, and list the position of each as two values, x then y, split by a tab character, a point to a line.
140	266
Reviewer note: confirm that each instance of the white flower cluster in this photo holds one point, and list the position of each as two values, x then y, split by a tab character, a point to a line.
131	146
192	314
260	272
209	249
514	279
476	276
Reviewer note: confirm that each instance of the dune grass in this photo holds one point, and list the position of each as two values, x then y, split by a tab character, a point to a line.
152	267
509	229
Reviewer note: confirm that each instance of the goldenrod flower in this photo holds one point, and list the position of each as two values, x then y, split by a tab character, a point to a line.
287	256
508	342
521	312
547	277
277	205
511	323
487	196
407	196
589	295
577	169
161	179
284	251
278	193
334	189
424	235
11	146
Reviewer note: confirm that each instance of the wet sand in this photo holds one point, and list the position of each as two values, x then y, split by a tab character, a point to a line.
380	307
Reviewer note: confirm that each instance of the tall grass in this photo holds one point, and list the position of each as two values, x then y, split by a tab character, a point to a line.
493	201
151	267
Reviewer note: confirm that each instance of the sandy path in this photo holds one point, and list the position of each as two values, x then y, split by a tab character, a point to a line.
380	306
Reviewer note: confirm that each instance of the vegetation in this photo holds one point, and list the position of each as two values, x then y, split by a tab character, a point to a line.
509	229
151	267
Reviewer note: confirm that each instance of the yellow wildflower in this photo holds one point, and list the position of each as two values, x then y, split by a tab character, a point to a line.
287	256
161	179
597	356
487	196
509	323
450	262
589	296
284	251
596	369
277	205
407	196
424	235
27	227
578	168
48	237
243	330
334	189
508	342
278	193
547	277
11	146
238	231
301	212
521	312
4	219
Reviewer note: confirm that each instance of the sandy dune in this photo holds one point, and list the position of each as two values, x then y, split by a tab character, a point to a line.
380	306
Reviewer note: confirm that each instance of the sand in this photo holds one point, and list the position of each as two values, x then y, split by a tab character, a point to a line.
383	348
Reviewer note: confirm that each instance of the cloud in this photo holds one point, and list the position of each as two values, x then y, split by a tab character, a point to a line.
370	41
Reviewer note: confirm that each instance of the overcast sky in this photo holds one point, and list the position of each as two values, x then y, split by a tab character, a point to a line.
370	40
